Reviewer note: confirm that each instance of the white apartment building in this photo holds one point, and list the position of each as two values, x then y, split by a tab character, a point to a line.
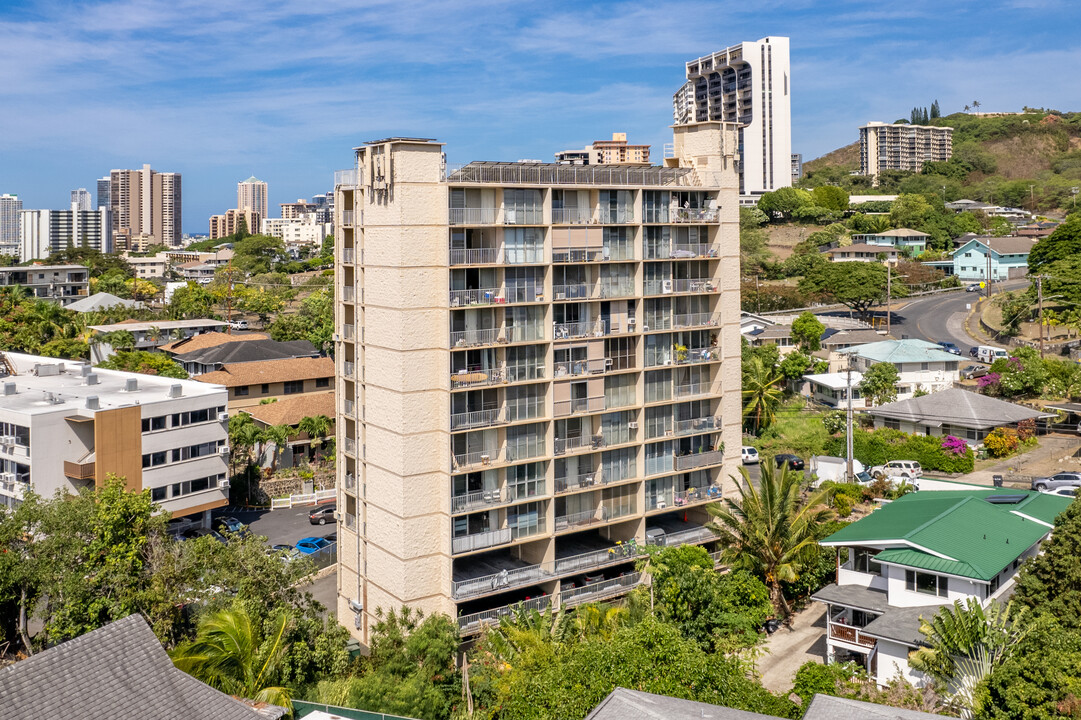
538	371
44	232
902	147
251	194
154	266
81	200
301	230
11	208
748	84
61	283
66	425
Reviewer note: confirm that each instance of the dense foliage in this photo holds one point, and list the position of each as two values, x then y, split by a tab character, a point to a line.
147	363
875	447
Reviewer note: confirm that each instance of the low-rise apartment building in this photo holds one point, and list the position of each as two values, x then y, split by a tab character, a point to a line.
298	231
150	335
921	365
920	552
60	283
249	383
903	239
148	267
863	252
66	426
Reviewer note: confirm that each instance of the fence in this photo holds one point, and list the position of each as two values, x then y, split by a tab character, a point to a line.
303	708
303	499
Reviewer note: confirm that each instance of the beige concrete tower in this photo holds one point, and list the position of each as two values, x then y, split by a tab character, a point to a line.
538	372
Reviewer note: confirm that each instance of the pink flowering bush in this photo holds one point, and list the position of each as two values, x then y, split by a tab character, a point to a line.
954	445
988	380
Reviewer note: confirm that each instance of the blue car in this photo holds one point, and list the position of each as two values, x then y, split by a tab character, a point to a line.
312	545
950	347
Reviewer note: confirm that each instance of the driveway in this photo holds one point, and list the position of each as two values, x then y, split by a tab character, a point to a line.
787	649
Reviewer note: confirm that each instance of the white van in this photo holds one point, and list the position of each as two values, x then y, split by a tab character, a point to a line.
990	353
825	468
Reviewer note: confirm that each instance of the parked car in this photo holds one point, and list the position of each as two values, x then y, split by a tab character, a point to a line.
749	455
897	468
228	523
794	462
971	372
312	545
322	514
950	347
331	537
288	553
1069	492
973	352
238	324
193	533
973	287
1058	480
177	526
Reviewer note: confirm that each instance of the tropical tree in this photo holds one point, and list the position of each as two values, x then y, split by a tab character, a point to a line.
966	642
762	391
278	435
317	428
244	436
769	531
231	655
879	383
807	331
117	339
858	286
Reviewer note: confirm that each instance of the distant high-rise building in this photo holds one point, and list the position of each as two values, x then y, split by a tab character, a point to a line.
324	207
10	207
81	200
145	202
746	84
294	210
607	152
251	194
227	224
104	192
44	232
902	147
797	167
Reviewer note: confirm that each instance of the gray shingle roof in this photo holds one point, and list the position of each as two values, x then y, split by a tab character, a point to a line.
826	707
901	625
118	671
100	301
956	407
250	351
624	704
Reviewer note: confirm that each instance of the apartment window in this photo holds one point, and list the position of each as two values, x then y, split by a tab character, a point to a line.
21	433
240	391
525	403
192	486
658	421
617	244
322	382
524	481
524	520
158	494
925	366
619	391
155	458
264	388
525	363
292	387
618	465
525	441
659	458
523	245
926	583
658	385
893	423
616	429
657	243
154	423
863	560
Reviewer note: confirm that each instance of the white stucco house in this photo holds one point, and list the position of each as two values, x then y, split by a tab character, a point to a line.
921	365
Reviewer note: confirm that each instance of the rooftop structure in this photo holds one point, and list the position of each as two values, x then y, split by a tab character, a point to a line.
249	383
208	340
197	362
101	301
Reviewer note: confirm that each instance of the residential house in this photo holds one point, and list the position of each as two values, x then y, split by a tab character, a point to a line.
835	339
1038	229
290	411
60	283
102	301
197	362
250	383
863	252
749	322
1013	214
831	389
917	553
961	413
209	339
1008	258
778	334
116	672
150	335
197	271
921	365
905	240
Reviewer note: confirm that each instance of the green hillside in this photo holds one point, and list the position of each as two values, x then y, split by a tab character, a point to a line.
1030	160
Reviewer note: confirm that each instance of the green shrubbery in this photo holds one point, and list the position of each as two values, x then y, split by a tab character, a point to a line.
882	445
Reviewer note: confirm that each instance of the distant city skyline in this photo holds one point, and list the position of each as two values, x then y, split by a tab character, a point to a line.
537	83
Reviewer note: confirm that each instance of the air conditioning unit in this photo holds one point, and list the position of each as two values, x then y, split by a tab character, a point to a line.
223	450
224	485
7	440
7	477
666	287
561	296
632	425
645	328
336	337
223	417
631	322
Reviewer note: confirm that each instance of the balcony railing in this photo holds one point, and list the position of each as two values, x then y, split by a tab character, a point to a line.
608	216
472	216
349	293
476	419
600	590
576	482
474	622
693	250
697	425
691	536
614	289
577	291
563	331
850	634
474	256
78	470
347	220
695	320
679	285
578	255
351	446
349	255
480	458
700	355
478	296
565	445
350	481
348	369
523	216
479	541
571	216
500	581
581	519
523	294
698	460
348	331
465	338
597	558
693	215
692	389
476	377
575	406
349	407
346	178
575	368
473	500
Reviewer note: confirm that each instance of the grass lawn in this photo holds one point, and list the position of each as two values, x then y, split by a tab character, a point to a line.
796	430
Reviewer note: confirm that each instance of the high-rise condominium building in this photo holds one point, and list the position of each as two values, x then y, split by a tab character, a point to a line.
81	200
607	152
146	202
746	84
10	209
228	224
44	232
538	371
104	193
251	195
902	147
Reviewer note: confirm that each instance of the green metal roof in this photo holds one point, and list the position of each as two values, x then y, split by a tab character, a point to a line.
901	351
956	532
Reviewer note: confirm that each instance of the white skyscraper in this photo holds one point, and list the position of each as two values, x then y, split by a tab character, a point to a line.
746	84
10	207
251	194
81	200
44	232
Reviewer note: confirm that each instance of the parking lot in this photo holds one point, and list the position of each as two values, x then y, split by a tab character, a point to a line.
279	526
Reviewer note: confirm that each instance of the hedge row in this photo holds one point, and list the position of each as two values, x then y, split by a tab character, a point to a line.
875	447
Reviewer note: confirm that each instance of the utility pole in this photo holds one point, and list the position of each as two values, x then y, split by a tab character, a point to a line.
1039	296
988	246
757	296
889	297
848	421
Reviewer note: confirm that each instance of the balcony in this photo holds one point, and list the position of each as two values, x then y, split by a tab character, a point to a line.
348	217
571	444
350	446
476	419
566	331
477	377
840	630
468	338
350	482
576	291
582	519
687	320
693	426
617	216
498	582
473	623
479	541
477	459
693	215
597	558
577	406
523	216
600	590
683	498
348	331
690	536
691	390
479	296
472	216
474	500
571	216
575	368
698	460
578	255
611	289
348	368
474	256
523	294
349	293
79	470
693	250
699	355
349	408
577	482
349	255
346	178
679	286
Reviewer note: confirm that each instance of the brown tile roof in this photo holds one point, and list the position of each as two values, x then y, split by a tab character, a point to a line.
209	340
269	371
290	410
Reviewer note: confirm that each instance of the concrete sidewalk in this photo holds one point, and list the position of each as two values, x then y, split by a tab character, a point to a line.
787	649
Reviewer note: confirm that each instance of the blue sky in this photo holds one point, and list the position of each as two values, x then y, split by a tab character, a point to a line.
221	89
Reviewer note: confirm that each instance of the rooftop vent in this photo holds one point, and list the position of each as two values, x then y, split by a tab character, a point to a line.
1005	499
46	370
9	388
92	402
91	378
131	385
84	370
176	391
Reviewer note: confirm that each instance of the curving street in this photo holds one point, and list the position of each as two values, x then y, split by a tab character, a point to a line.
942	317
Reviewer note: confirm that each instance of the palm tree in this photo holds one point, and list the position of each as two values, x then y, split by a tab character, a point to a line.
317	428
768	530
244	434
965	643
228	655
967	108
278	435
599	620
762	390
976	105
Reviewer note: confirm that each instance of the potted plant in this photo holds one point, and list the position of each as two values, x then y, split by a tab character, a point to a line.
681	352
